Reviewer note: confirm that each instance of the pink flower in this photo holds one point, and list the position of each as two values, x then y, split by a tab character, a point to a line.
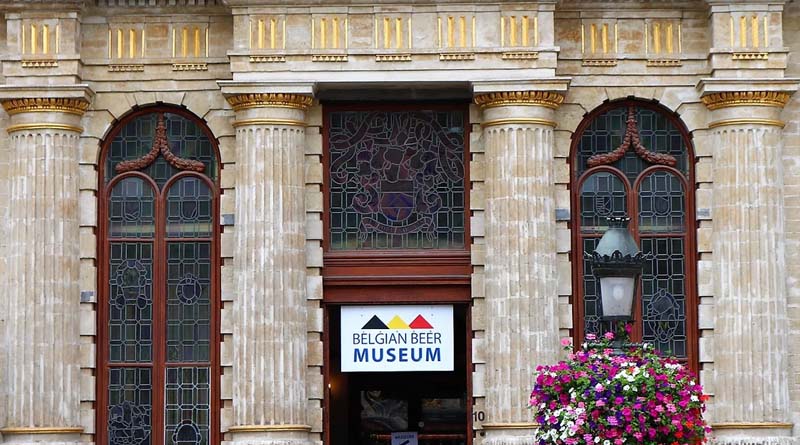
566	341
609	335
591	337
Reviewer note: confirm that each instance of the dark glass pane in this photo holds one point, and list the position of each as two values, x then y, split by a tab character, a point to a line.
187	405
129	406
602	196
397	180
189	209
592	306
131	209
130	306
186	140
661	203
664	295
607	132
188	302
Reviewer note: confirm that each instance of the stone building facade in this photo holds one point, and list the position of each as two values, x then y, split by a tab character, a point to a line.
259	82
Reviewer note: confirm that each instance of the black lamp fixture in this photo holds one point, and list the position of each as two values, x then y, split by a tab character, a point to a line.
617	263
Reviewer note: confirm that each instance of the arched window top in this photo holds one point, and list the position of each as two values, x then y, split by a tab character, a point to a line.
161	142
631	136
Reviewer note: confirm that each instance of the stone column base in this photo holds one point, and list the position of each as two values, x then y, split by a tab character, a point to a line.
511	434
41	435
269	435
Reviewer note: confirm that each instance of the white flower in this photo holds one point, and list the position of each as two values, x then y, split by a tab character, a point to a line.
606	442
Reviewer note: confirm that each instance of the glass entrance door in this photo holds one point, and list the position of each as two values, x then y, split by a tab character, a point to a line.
365	408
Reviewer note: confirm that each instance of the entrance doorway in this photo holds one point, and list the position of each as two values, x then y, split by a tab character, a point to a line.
365	408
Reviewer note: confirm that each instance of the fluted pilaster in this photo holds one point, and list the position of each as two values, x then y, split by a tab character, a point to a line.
751	404
42	368
520	267
269	391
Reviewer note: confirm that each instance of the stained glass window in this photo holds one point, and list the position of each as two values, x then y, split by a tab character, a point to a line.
159	303
396	180
633	160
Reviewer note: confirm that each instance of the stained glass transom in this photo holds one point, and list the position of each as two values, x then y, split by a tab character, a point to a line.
188	302
607	131
659	208
131	209
187	140
189	209
130	392
130	309
397	180
188	406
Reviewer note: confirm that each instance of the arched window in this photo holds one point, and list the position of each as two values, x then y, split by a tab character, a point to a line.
633	158
158	286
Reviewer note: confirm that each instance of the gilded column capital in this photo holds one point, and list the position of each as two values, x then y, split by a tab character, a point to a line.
726	99
76	106
546	99
270	100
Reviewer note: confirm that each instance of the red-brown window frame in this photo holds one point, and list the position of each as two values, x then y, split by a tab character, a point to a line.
632	203
159	240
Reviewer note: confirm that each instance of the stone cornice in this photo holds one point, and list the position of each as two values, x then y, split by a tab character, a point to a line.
270	100
727	99
76	106
519	98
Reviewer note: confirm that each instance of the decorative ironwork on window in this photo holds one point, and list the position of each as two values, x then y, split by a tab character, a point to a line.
159	303
633	160
397	180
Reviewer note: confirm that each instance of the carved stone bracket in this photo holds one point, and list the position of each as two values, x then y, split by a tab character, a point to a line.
631	139
160	145
519	98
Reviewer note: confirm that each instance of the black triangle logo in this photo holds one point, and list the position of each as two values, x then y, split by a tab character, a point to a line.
374	323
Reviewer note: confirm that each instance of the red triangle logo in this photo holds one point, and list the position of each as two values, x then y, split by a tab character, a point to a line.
420	323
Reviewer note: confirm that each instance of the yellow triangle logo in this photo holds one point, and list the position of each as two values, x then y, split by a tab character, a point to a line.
398	323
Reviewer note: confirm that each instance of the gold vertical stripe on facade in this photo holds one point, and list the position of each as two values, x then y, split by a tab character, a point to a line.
323	38
502	31
410	41
33	39
680	42
346	32
398	32
175	42
58	38
273	34
732	30
536	31
283	39
766	31
386	32
669	38
646	38
335	30
512	37
525	36
45	39
439	32
593	38
184	41
206	40
24	41
197	41
657	38
249	35
120	42
462	29
616	37
450	32
131	43
260	39
473	32
605	38
743	31
143	42
375	33
583	38
755	31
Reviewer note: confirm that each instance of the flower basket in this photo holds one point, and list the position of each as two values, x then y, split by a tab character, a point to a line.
599	397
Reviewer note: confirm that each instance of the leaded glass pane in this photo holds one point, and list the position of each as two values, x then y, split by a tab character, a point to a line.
664	295
189	209
186	140
130	308
661	203
188	302
129	406
656	133
131	209
397	180
592	306
188	405
603	195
